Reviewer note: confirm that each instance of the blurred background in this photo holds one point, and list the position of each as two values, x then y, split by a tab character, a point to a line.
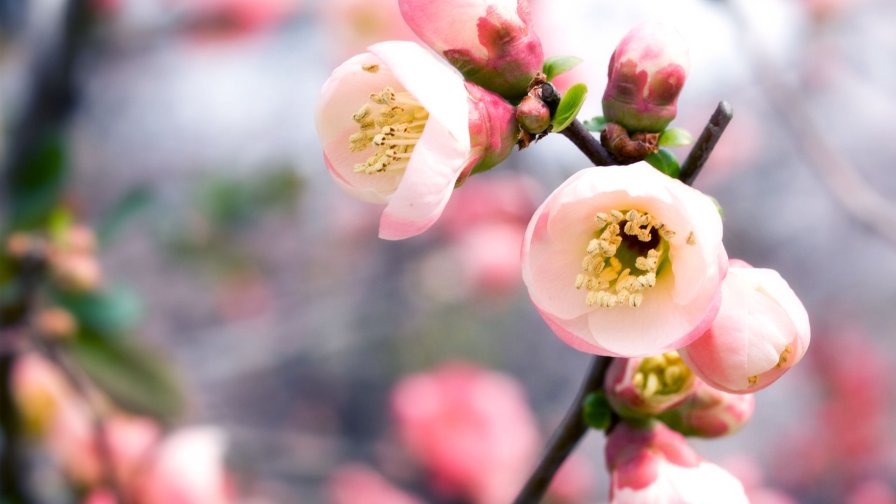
190	148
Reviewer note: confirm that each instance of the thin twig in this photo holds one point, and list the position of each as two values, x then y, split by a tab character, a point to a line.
568	434
588	144
706	142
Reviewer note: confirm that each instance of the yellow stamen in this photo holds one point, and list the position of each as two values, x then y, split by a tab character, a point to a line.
391	123
665	374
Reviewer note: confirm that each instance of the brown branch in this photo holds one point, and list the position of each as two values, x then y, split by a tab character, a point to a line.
706	142
588	144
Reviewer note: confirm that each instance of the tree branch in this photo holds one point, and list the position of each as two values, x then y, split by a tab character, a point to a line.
588	144
706	142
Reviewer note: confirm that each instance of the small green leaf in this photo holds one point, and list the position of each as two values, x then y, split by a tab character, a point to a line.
596	124
596	410
136	379
569	107
665	161
675	137
559	64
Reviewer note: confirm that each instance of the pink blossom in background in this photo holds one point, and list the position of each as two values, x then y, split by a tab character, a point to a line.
872	492
490	41
228	18
750	473
187	468
40	391
655	465
470	428
574	482
646	72
663	289
353	25
446	130
761	331
357	483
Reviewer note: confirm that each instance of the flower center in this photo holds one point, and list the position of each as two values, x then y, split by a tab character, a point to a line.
663	374
622	259
392	123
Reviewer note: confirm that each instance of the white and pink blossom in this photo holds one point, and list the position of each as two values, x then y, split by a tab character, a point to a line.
761	331
490	41
400	127
625	261
648	386
655	465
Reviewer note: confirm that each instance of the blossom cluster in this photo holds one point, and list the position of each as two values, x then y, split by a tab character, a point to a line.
624	261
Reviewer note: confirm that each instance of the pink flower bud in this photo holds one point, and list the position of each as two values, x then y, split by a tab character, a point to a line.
625	261
654	465
533	115
400	127
471	428
761	331
648	386
646	73
490	41
710	412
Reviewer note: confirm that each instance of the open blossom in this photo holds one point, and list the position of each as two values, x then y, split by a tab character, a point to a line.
471	428
400	127
490	41
761	331
625	261
648	386
655	465
709	412
646	73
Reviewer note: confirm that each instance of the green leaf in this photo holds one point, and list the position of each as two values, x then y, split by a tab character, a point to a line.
35	190
665	161
569	107
596	124
134	378
109	314
134	201
559	64
596	410
675	137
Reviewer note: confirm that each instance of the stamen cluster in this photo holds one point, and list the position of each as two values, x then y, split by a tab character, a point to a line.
392	123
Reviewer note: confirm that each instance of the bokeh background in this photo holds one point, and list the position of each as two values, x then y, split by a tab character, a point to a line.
230	250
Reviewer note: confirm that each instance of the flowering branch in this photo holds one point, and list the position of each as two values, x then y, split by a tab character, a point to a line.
573	427
568	434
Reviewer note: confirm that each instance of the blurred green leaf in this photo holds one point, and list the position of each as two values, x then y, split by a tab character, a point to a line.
559	64
665	161
596	410
135	378
136	200
596	124
569	107
675	137
110	313
35	189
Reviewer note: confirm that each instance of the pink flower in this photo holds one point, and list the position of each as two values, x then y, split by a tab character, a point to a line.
400	127
709	412
574	482
187	469
352	25
654	465
471	428
761	331
625	261
646	73
648	386
490	41
40	391
356	483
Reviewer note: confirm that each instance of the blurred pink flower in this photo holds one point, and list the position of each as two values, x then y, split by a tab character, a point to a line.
471	428
654	465
761	331
872	492
647	71
625	261
573	483
187	468
750	474
40	391
229	18
356	483
428	131
490	41
353	25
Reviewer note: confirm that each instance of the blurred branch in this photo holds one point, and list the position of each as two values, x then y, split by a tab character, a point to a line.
568	434
854	194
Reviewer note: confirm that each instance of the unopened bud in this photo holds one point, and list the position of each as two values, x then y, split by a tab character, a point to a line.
646	73
710	412
56	323
533	115
648	386
77	272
